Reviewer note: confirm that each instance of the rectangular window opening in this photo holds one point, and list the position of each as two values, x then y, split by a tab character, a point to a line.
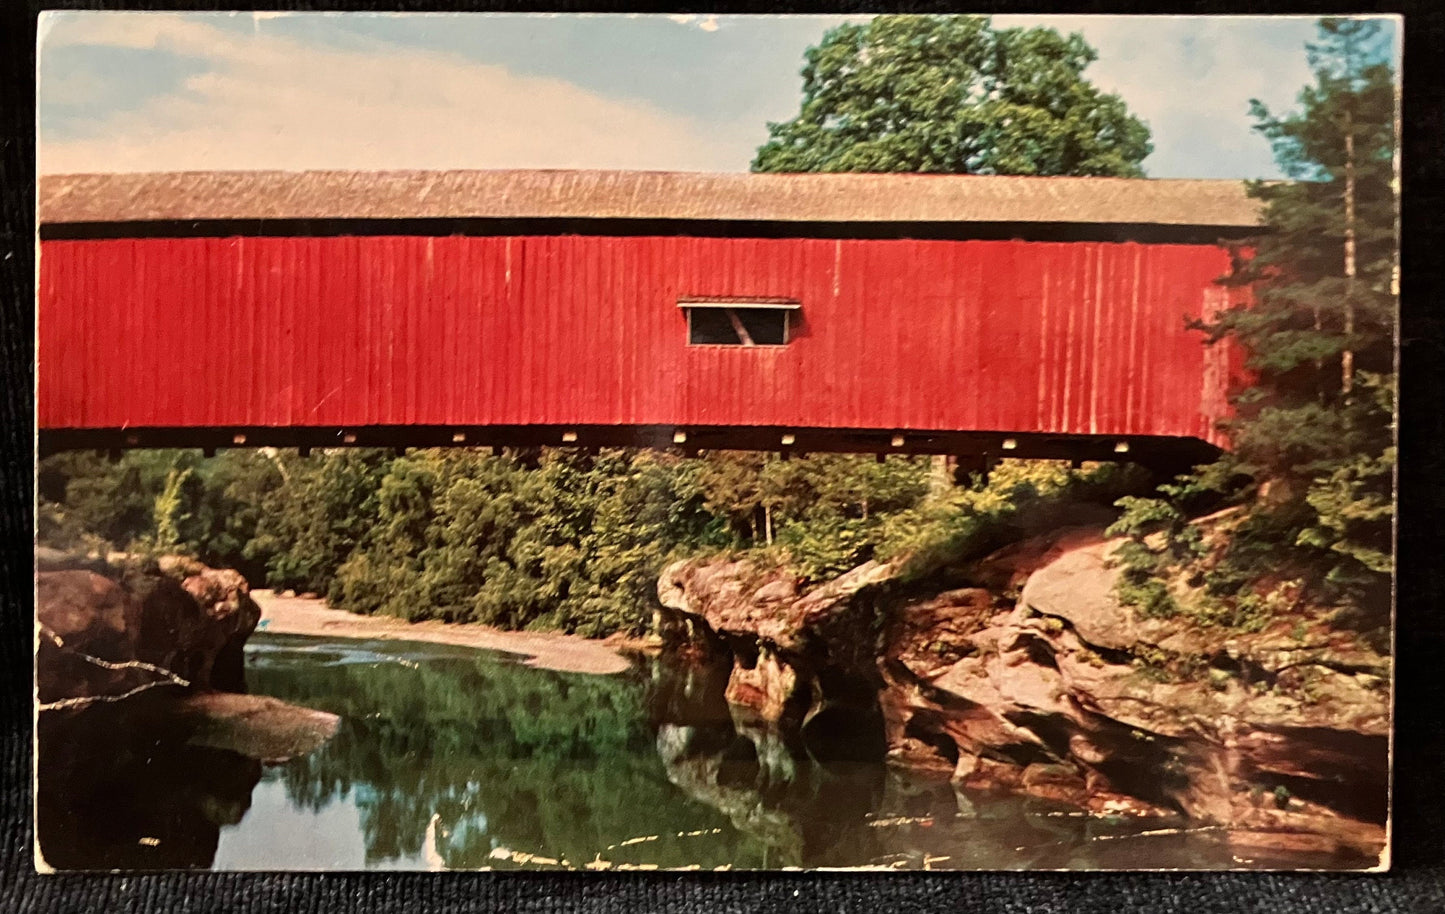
738	323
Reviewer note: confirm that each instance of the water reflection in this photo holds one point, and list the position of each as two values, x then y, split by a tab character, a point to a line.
458	759
502	755
803	800
119	788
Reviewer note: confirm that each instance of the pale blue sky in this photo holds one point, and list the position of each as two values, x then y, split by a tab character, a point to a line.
160	91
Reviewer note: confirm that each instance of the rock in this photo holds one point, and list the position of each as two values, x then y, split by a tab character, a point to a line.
1006	570
255	726
1054	781
1077	585
226	598
932	634
87	612
106	637
769	686
168	768
1067	694
775	591
1066	670
119	788
83	616
140	762
716	600
181	567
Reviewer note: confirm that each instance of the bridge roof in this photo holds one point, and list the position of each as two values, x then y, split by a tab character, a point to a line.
641	195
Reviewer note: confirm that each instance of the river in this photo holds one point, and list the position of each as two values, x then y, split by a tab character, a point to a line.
454	758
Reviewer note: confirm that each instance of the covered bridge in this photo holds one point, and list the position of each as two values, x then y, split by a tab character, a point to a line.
869	313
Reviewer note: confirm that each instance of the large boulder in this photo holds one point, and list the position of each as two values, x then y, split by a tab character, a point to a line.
1281	730
88	637
107	637
145	751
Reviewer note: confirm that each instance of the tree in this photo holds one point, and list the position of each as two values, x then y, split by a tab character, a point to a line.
952	94
1323	315
1324	277
1313	462
309	525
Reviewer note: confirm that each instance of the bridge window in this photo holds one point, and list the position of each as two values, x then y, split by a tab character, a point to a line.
738	323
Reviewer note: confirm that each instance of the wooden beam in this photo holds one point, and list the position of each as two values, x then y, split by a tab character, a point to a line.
1165	452
742	331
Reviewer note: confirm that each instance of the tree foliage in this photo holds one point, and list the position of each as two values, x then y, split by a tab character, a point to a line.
157	501
1312	465
952	94
570	542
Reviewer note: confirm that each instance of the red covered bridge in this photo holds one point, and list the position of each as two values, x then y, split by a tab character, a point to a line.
868	313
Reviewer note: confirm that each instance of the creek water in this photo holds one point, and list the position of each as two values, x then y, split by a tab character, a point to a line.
453	758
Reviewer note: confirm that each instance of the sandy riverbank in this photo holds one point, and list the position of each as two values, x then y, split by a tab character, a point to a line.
291	615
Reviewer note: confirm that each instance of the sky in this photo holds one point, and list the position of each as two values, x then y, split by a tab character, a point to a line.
135	91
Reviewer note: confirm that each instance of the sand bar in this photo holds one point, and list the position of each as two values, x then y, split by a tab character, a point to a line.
293	615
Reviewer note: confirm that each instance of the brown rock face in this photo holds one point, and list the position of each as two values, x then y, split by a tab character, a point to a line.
225	597
1280	735
82	613
768	686
105	637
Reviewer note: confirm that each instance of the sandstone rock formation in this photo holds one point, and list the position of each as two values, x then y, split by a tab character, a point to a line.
1033	678
179	635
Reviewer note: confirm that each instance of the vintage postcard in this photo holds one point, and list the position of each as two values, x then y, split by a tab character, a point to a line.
714	442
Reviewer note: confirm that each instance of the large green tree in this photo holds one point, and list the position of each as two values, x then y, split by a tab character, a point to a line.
953	94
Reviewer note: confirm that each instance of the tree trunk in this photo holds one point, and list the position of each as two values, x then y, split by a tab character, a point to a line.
1347	358
768	522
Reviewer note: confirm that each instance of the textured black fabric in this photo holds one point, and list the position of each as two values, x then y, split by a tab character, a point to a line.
1416	885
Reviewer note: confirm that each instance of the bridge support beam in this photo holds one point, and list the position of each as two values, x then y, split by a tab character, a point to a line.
968	452
968	466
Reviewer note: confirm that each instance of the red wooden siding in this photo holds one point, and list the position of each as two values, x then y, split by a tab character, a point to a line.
1068	337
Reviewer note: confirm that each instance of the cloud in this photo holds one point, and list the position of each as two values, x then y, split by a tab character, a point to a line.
148	91
1191	79
275	102
705	23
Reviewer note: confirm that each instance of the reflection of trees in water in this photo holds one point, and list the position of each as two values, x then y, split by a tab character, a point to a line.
564	766
571	766
506	755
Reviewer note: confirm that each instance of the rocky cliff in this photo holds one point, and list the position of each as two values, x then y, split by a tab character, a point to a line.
1023	673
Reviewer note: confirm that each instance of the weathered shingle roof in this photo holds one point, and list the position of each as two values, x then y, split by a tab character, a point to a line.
259	195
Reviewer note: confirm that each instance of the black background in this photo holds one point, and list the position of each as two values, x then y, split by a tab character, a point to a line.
1417	883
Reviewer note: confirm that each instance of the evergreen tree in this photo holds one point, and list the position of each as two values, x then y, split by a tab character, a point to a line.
1312	460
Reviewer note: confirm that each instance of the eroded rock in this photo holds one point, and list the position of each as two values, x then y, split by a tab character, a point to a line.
1037	680
105	637
255	726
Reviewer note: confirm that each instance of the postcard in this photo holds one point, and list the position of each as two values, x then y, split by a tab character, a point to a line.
711	442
